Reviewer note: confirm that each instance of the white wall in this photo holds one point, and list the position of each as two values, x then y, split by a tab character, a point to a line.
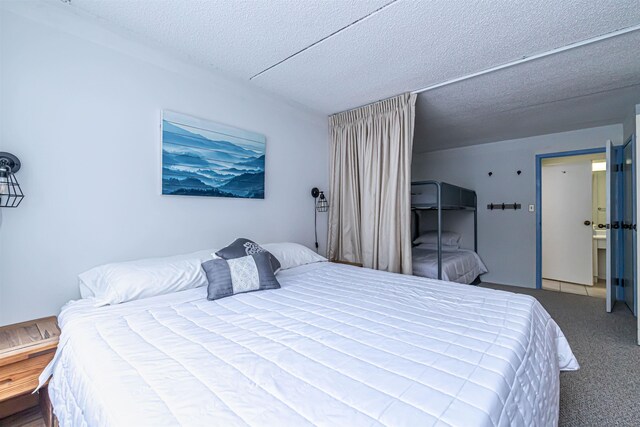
629	125
506	239
80	107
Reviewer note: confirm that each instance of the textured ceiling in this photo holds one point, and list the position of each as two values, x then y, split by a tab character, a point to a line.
332	55
413	44
239	38
585	87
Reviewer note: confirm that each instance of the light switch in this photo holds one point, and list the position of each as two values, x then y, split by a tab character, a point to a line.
532	208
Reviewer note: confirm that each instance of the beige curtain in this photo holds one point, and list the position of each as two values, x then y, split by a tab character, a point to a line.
370	190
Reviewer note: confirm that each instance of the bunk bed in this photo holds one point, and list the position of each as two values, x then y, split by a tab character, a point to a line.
456	265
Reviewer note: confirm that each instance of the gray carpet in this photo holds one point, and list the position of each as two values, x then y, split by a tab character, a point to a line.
606	389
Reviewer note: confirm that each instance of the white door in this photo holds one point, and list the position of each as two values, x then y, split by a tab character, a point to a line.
611	233
567	231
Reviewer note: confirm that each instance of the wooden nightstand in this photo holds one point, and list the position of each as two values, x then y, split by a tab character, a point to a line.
355	264
25	349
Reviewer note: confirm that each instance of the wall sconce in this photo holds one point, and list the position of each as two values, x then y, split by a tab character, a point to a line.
320	204
10	192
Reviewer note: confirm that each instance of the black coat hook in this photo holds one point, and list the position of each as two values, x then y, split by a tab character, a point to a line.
490	173
519	172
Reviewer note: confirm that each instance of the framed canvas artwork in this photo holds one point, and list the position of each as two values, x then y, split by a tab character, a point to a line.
205	158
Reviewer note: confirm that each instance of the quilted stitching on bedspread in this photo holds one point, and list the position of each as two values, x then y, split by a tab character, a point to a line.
335	346
462	266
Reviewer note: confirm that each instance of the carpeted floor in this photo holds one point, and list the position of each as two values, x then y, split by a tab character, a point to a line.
606	389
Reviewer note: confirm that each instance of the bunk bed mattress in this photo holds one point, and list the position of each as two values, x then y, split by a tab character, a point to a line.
336	345
461	266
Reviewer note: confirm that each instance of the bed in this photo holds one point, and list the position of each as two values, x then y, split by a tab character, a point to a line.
336	345
460	266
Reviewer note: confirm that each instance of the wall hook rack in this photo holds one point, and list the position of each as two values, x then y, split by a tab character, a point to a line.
504	206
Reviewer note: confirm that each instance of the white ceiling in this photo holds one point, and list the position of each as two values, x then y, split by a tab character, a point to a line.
333	55
589	86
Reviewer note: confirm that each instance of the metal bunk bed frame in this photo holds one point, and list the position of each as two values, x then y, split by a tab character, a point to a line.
447	197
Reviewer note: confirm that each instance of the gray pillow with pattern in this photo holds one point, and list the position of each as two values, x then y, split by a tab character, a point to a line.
234	276
242	247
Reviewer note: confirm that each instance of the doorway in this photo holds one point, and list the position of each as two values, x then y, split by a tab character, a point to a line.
573	216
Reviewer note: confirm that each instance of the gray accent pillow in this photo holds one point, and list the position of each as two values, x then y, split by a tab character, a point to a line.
242	247
234	276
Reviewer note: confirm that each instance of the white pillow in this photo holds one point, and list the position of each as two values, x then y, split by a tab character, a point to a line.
448	238
292	254
434	246
127	281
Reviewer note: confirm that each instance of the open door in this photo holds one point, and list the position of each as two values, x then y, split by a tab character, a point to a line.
567	230
612	243
629	224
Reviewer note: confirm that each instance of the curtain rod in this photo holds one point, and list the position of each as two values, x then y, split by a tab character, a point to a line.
368	104
525	59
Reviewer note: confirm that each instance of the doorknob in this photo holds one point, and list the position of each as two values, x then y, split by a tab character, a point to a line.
587	222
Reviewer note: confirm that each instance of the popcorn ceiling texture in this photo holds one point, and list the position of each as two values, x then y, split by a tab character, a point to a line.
586	87
408	45
239	38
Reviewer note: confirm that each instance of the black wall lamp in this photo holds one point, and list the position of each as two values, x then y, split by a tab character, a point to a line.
10	192
320	204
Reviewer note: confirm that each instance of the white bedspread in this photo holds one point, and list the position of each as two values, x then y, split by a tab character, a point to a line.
461	266
336	346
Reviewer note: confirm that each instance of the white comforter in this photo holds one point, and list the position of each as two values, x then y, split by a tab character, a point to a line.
336	346
461	266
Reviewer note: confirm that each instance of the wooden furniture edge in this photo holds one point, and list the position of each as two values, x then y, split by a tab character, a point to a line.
30	352
49	332
21	358
18	404
46	408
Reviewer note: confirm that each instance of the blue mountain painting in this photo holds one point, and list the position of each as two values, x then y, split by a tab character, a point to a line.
203	158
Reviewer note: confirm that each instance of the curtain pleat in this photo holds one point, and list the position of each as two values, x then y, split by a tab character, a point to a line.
370	189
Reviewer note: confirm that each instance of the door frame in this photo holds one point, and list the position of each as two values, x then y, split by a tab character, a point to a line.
539	158
634	205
